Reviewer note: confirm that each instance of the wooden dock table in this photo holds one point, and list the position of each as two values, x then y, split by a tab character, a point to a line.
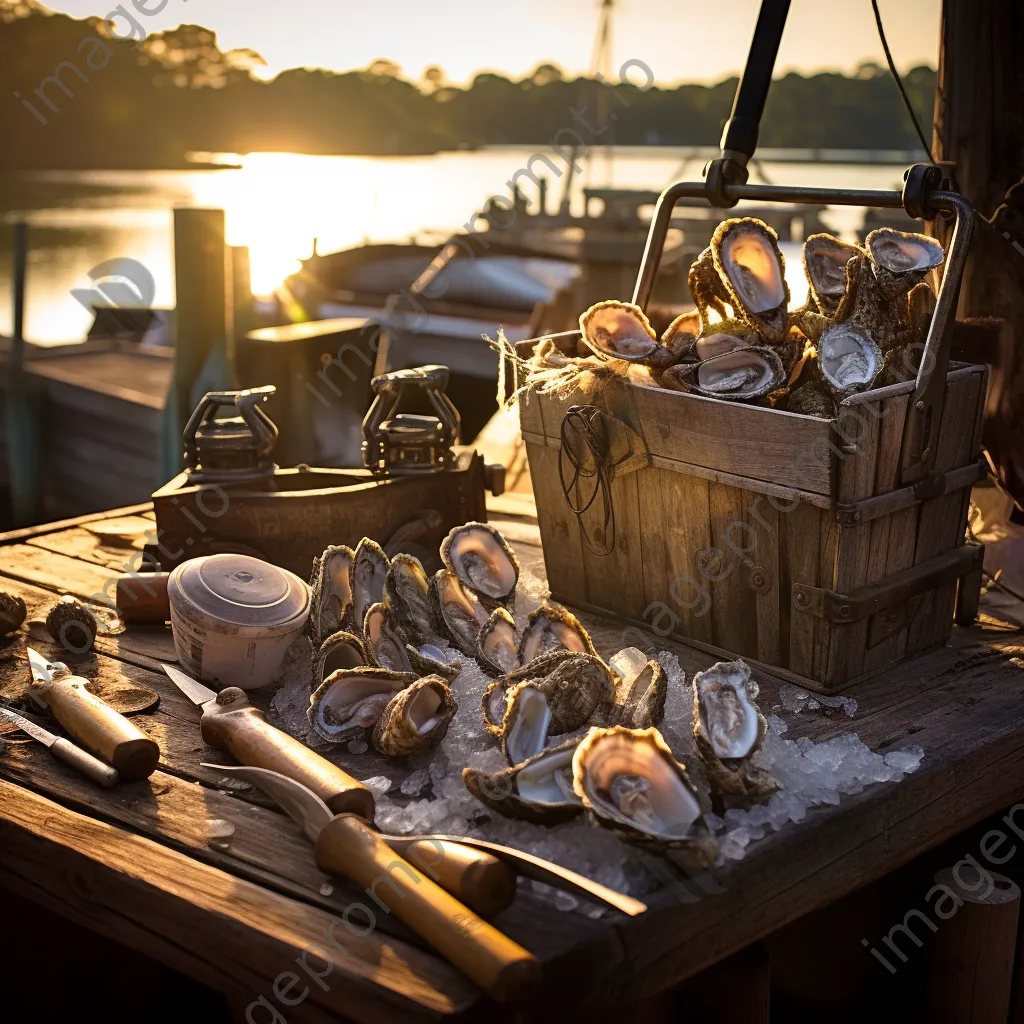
137	865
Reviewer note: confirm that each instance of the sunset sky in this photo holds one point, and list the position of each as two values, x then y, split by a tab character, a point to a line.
684	40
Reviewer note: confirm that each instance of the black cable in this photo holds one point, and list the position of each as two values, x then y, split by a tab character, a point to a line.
899	82
579	419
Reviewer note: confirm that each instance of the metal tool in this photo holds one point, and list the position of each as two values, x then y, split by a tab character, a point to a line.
92	722
296	800
344	845
232	450
64	750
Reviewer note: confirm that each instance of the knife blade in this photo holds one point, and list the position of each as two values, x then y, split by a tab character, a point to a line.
344	845
96	726
64	750
309	811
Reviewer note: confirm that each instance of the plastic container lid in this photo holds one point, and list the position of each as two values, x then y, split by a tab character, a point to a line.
242	592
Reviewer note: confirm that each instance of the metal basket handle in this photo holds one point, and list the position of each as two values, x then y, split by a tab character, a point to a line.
924	414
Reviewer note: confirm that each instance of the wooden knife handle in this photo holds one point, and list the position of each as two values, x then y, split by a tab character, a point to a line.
142	597
506	971
99	728
83	762
234	725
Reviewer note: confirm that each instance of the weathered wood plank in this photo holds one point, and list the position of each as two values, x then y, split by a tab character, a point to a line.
763	519
799	561
734	604
82	543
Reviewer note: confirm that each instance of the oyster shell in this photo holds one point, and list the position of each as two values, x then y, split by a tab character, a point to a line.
527	721
406	597
619	330
416	718
348	703
384	646
707	288
727	336
629	781
367	574
640	690
849	360
483	561
497	648
550	626
811	399
12	613
729	730
332	592
433	660
457	611
681	335
740	375
537	790
339	650
900	259
751	266
825	261
72	625
493	701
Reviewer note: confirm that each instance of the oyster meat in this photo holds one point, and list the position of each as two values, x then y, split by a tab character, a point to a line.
619	330
900	259
497	648
416	718
332	593
740	375
349	702
369	568
849	360
483	561
629	781
537	790
729	730
549	627
527	721
641	690
457	611
825	261
339	650
406	597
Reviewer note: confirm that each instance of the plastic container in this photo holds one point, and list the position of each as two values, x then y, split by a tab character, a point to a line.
234	617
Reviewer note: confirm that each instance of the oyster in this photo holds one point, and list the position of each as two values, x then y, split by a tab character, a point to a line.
332	592
825	261
729	730
681	335
406	597
550	626
339	650
707	288
920	310
619	330
640	690
849	360
629	781
72	625
483	561
751	266
900	259
433	660
494	696
385	648
811	399
538	790
12	613
740	375
497	648
369	568
527	721
348	703
727	336
416	718
457	611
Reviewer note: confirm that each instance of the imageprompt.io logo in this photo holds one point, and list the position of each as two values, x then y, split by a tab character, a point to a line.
119	283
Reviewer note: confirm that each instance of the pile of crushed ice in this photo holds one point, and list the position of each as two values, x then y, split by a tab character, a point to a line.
433	797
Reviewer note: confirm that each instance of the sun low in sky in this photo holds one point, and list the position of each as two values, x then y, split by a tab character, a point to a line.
681	40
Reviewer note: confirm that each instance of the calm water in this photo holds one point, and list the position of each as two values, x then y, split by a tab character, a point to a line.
278	203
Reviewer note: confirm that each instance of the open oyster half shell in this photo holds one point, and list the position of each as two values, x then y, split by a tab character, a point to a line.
369	568
848	358
740	375
729	729
340	650
493	700
416	718
331	586
619	330
497	648
538	790
551	626
641	690
456	610
825	260
900	259
349	702
483	561
629	782
384	644
407	598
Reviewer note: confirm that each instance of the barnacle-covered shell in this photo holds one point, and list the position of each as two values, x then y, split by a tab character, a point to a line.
825	260
901	258
726	337
369	568
406	597
681	335
331	585
641	690
537	790
729	730
811	399
497	648
384	644
416	718
483	561
493	701
348	703
740	375
849	360
748	259
527	722
619	330
72	625
457	611
629	781
339	650
434	660
550	626
12	613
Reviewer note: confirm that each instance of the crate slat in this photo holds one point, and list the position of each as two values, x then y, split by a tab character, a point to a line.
734	604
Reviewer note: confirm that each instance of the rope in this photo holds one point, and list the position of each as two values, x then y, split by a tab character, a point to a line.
579	418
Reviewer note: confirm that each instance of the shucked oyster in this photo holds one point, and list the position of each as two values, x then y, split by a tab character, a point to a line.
416	718
729	730
640	690
369	567
497	648
901	258
619	330
456	610
849	360
348	703
550	626
825	261
740	375
538	790
527	721
629	781
406	590
332	593
483	561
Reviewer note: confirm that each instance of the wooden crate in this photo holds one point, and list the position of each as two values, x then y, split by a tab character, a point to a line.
783	539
